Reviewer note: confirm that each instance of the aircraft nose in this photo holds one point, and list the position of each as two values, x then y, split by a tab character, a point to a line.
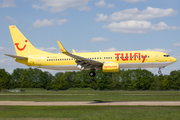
173	59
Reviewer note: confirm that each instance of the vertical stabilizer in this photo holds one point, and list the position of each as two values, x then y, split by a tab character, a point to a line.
22	45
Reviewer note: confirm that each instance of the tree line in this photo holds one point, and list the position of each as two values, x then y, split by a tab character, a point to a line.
131	79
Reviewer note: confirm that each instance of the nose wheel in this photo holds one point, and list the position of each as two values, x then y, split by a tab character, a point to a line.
159	72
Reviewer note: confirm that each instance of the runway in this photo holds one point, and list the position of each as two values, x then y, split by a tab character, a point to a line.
91	103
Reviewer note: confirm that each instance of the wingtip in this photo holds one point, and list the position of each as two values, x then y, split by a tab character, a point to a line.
73	51
63	50
12	25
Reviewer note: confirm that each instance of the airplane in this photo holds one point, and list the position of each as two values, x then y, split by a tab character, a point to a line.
27	54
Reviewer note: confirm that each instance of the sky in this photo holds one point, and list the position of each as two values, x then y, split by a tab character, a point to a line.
92	26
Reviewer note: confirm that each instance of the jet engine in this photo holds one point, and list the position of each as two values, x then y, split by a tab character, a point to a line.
110	67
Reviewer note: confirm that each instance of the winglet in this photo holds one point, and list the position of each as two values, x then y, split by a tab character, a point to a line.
63	50
73	51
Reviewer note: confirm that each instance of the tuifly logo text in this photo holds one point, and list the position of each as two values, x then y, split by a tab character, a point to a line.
130	56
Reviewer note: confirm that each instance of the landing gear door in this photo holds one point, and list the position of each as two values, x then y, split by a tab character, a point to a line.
157	57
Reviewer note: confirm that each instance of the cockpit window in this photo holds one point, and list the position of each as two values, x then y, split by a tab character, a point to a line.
166	55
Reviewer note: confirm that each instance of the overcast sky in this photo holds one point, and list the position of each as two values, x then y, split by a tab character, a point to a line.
92	25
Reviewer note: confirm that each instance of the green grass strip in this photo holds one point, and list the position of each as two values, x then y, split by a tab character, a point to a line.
92	95
89	112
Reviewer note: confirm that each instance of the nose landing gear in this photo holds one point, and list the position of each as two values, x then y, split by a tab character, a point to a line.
160	72
160	69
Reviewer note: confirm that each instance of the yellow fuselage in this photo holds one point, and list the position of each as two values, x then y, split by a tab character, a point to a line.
126	59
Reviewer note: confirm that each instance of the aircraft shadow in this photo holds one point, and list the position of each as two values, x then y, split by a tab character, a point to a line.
100	101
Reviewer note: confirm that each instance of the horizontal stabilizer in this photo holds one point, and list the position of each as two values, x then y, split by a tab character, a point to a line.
14	56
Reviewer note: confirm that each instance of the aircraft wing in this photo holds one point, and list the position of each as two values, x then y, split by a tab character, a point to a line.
85	63
14	56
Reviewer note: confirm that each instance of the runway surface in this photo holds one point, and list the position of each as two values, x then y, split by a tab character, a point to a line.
91	103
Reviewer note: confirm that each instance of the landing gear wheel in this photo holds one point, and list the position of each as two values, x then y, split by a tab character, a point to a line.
92	74
159	72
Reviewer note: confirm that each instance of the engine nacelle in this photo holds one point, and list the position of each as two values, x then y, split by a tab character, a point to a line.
110	67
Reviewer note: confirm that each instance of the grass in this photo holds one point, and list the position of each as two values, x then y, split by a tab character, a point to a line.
85	95
89	113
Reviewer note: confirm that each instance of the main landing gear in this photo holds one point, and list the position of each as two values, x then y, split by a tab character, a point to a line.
92	73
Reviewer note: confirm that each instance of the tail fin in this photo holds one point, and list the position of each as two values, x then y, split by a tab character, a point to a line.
22	45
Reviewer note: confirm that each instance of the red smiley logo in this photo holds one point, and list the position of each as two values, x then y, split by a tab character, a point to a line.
21	49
